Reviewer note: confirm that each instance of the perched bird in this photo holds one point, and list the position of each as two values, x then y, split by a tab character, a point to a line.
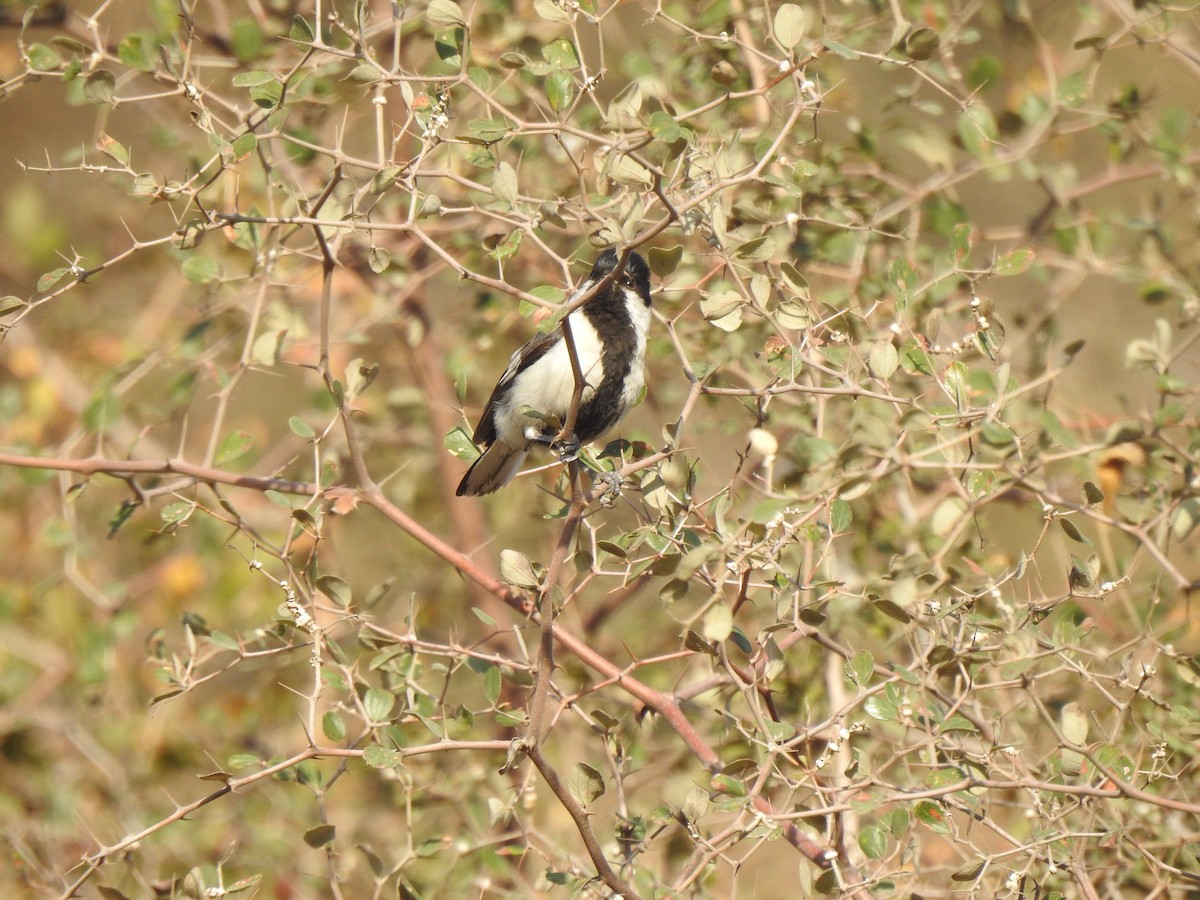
532	400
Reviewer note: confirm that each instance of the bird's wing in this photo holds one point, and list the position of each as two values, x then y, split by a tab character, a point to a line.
529	353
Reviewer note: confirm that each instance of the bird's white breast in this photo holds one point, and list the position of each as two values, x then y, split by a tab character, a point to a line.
548	384
639	314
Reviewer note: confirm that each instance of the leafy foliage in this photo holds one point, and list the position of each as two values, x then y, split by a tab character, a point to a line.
895	596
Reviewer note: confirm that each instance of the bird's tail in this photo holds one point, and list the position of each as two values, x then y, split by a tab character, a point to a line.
494	468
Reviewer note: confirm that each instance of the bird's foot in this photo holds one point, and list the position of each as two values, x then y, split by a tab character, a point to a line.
612	491
566	449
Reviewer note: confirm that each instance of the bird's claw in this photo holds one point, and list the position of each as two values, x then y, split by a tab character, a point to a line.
612	491
566	449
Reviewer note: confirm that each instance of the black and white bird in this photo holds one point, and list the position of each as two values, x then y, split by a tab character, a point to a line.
532	400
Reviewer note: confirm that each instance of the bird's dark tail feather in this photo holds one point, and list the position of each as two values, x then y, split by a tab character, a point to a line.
495	468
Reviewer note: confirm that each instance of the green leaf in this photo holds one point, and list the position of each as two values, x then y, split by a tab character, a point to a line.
977	130
51	278
1013	263
482	616
664	261
112	148
244	761
504	184
378	704
997	434
1074	723
254	78
232	446
1092	494
301	31
896	821
448	45
320	836
718	623
200	269
333	726
1185	518
488	130
780	731
379	259
359	377
881	707
932	816
1072	532
970	871
664	127
11	304
585	784
266	347
759	249
99	87
728	784
560	53
517	570
513	59
333	680
960	241
491	684
862	668
102	410
301	428
43	58
1170	414
336	589
884	360
459	443
956	382
241	147
122	515
444	14
1082	574
279	499
246	39
627	171
560	90
267	95
1154	292
722	306
957	723
791	22
1074	89
873	841
174	513
365	73
840	516
903	277
137	51
385	179
841	50
508	247
550	11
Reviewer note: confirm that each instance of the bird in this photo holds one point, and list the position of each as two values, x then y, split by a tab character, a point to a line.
532	399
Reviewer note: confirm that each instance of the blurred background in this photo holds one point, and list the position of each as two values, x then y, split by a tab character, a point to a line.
1003	193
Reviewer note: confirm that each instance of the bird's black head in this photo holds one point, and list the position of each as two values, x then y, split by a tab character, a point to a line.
636	276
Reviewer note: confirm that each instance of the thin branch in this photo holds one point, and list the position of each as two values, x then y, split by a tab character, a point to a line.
124	468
